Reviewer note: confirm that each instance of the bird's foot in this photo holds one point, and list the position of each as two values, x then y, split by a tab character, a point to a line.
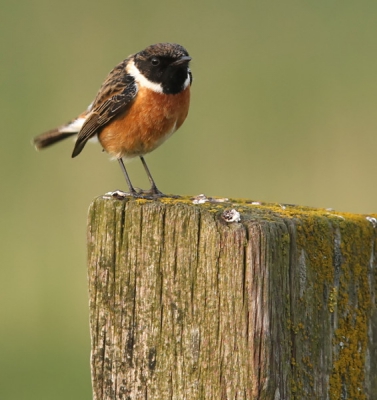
118	194
154	193
150	194
140	194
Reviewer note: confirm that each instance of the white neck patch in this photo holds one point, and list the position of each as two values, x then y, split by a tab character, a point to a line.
141	79
187	81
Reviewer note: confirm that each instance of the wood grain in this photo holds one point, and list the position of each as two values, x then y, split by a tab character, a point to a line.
184	305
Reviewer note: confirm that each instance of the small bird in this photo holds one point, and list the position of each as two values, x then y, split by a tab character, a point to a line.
142	102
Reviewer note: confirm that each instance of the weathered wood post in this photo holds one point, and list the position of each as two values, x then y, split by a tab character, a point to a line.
185	305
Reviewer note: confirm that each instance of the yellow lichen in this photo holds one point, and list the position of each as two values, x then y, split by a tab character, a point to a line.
333	298
335	302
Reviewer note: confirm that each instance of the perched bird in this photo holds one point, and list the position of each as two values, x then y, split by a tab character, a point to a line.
142	102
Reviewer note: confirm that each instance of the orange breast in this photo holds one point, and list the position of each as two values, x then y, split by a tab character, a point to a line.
150	120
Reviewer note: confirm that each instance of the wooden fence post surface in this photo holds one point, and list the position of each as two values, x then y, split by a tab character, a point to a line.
185	305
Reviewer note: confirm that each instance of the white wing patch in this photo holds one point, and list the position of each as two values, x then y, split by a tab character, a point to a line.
74	126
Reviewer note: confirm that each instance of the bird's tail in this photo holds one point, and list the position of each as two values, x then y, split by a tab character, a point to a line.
56	135
48	138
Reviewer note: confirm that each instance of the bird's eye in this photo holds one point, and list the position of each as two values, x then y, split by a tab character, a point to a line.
155	61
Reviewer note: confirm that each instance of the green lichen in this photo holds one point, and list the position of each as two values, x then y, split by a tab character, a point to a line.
335	300
348	295
346	292
354	305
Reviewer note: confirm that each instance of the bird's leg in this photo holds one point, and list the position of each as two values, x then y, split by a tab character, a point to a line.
132	190
153	190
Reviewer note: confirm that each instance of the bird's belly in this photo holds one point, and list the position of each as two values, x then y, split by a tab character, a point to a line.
151	119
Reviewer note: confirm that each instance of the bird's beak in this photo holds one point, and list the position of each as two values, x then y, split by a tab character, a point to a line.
182	60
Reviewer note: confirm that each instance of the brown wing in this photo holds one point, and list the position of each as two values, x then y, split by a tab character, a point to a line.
114	97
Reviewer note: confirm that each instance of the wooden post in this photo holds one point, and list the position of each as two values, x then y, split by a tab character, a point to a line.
185	305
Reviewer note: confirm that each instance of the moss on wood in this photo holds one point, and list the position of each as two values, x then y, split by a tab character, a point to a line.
187	306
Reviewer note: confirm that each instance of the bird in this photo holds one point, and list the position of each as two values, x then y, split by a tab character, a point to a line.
141	103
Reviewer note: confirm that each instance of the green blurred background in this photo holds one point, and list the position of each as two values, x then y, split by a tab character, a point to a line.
284	109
